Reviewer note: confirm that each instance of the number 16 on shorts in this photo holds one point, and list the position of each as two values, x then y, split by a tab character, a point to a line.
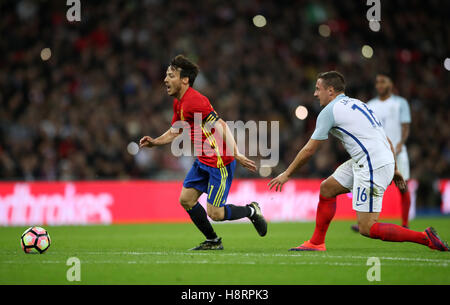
361	195
360	199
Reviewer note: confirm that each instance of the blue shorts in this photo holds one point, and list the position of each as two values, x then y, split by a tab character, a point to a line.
215	182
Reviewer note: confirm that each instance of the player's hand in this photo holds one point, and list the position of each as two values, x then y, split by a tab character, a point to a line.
398	148
246	162
399	181
278	181
146	142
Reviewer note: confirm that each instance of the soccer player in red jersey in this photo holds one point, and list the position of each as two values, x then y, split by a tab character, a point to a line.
213	170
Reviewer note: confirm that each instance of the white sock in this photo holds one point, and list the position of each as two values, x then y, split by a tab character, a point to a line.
252	211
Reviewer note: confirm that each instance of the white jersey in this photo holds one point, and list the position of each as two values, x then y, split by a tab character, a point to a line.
357	127
392	112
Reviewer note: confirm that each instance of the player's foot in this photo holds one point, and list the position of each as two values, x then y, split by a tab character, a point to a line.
405	226
355	228
258	219
308	246
436	243
210	245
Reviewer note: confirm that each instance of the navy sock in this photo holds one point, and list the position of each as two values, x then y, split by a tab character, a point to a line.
200	219
233	212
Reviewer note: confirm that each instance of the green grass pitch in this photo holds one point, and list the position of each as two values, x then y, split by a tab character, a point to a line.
157	254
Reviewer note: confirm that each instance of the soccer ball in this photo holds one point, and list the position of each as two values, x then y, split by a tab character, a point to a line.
35	240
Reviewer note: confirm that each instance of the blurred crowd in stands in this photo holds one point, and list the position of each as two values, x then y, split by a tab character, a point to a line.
71	114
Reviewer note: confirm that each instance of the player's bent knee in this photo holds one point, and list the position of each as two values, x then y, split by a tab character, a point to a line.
216	214
364	228
364	231
325	190
186	203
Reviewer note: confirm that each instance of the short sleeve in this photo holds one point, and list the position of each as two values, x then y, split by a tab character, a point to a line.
325	121
204	107
198	106
405	113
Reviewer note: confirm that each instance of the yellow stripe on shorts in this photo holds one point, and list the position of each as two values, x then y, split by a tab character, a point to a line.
223	184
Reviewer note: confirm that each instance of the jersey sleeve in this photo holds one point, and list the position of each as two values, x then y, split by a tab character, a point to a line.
201	106
325	121
405	113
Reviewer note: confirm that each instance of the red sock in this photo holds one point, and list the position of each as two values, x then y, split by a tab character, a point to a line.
406	204
325	213
395	233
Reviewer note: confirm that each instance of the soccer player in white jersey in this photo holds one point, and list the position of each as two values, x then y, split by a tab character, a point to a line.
395	117
367	174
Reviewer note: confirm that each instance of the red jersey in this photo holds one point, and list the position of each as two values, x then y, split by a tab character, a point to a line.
195	109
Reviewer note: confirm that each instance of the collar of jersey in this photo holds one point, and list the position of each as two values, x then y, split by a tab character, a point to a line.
186	94
339	97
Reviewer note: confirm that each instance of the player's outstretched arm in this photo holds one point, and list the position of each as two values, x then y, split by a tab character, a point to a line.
301	159
165	138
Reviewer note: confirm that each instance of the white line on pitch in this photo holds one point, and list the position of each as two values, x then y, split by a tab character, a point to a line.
194	262
303	254
418	260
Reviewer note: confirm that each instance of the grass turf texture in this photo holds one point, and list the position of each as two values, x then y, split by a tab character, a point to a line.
157	254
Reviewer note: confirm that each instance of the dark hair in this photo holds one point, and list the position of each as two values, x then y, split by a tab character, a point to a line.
333	79
385	74
187	67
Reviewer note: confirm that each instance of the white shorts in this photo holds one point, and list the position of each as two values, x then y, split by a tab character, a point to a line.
403	163
367	186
